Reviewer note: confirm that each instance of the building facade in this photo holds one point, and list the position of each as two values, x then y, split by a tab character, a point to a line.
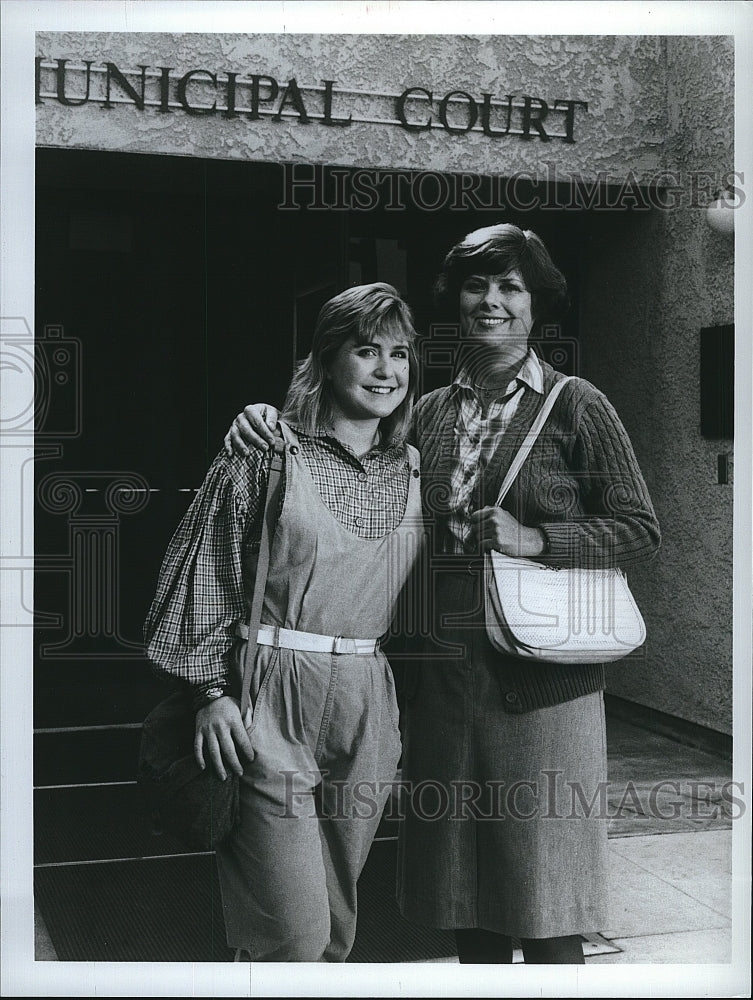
200	195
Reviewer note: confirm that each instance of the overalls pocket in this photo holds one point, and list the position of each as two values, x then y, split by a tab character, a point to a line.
260	675
390	695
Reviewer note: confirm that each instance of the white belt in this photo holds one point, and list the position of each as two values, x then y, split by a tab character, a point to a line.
312	642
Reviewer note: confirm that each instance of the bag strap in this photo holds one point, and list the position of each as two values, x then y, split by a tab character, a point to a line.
530	439
271	507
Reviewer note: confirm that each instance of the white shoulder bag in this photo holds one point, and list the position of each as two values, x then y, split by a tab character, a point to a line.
551	614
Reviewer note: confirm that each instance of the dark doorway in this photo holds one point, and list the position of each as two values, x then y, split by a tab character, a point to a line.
170	291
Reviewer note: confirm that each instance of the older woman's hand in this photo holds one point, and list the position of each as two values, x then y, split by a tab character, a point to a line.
495	528
254	428
221	735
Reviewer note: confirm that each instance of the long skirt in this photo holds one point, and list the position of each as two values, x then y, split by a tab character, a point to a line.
505	814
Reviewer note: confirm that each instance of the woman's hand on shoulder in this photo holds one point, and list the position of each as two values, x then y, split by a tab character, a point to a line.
221	738
253	428
495	528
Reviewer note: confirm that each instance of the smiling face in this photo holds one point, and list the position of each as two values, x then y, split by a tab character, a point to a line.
368	381
495	311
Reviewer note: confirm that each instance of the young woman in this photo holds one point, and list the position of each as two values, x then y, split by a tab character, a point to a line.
519	749
322	746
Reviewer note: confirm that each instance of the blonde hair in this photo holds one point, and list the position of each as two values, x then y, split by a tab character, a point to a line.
362	312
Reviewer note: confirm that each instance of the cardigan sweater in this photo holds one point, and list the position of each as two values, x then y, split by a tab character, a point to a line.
580	484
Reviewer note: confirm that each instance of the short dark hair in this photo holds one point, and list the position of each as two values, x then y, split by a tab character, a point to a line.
362	312
497	250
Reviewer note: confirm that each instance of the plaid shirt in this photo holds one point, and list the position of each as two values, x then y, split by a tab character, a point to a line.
190	628
477	434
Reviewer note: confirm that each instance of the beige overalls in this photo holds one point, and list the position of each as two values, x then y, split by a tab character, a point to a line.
324	729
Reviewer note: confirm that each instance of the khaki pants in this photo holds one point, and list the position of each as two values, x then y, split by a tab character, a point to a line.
327	747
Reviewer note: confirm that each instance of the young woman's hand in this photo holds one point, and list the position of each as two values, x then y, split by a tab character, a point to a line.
253	427
495	528
221	736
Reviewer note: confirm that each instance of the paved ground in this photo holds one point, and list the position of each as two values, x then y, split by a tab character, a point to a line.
670	898
671	892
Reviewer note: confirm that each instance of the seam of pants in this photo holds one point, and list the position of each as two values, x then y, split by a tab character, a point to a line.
257	704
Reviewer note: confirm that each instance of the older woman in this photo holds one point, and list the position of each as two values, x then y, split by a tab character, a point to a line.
325	720
504	760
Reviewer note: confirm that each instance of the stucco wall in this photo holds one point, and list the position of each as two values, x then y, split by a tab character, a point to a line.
621	79
651	283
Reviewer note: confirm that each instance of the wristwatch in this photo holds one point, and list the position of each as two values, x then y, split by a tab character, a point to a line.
207	694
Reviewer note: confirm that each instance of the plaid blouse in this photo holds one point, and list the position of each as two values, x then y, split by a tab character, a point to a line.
190	628
477	435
